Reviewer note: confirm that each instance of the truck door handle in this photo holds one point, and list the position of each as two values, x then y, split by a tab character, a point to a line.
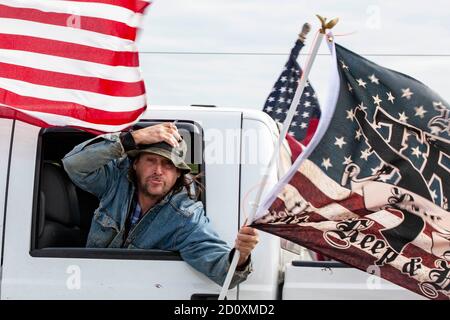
205	296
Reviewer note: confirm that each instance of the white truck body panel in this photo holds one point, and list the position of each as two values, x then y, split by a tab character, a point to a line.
258	127
5	143
341	283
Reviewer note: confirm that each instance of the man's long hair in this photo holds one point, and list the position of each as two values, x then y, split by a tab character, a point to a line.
191	183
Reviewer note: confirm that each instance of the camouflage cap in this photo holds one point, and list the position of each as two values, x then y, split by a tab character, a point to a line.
163	149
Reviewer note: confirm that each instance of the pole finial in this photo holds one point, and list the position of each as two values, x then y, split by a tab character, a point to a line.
305	30
327	24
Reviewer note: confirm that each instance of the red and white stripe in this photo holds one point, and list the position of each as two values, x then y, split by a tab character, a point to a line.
330	203
71	62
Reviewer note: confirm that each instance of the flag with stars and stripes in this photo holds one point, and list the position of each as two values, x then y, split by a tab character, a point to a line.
71	63
277	105
374	191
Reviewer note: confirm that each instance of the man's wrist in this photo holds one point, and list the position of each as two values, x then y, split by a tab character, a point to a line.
136	137
128	141
242	264
242	259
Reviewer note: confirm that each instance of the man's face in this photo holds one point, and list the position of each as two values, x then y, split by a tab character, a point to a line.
156	175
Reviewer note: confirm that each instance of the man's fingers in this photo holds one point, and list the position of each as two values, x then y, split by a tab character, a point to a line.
248	230
247	238
166	131
176	135
247	243
170	139
173	132
244	246
244	249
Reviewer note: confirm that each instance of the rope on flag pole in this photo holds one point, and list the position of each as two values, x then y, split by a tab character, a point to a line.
287	122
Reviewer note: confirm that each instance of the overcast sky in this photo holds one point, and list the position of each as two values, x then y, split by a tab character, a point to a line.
190	48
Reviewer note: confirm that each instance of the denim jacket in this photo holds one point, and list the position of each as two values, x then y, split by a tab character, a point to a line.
176	223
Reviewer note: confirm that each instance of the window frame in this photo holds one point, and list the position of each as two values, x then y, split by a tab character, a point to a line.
197	136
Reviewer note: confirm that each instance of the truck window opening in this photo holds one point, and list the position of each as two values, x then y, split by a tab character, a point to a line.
63	212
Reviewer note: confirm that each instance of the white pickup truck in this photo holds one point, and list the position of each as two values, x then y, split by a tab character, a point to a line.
44	221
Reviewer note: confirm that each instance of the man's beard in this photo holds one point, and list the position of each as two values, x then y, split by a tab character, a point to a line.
145	187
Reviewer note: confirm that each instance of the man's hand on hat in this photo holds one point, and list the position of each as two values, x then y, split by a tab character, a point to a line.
166	132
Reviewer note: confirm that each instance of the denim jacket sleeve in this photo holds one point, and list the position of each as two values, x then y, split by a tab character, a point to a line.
92	165
202	248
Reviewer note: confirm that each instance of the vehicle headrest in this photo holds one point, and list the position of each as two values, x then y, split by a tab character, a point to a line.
60	197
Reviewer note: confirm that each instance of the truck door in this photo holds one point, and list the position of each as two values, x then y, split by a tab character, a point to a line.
67	272
5	143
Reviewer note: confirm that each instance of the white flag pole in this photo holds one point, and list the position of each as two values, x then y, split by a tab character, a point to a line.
286	124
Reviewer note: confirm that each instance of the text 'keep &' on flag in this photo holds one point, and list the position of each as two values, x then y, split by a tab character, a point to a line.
71	63
374	191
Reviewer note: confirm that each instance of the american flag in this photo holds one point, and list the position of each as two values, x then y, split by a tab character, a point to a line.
374	192
277	104
71	62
